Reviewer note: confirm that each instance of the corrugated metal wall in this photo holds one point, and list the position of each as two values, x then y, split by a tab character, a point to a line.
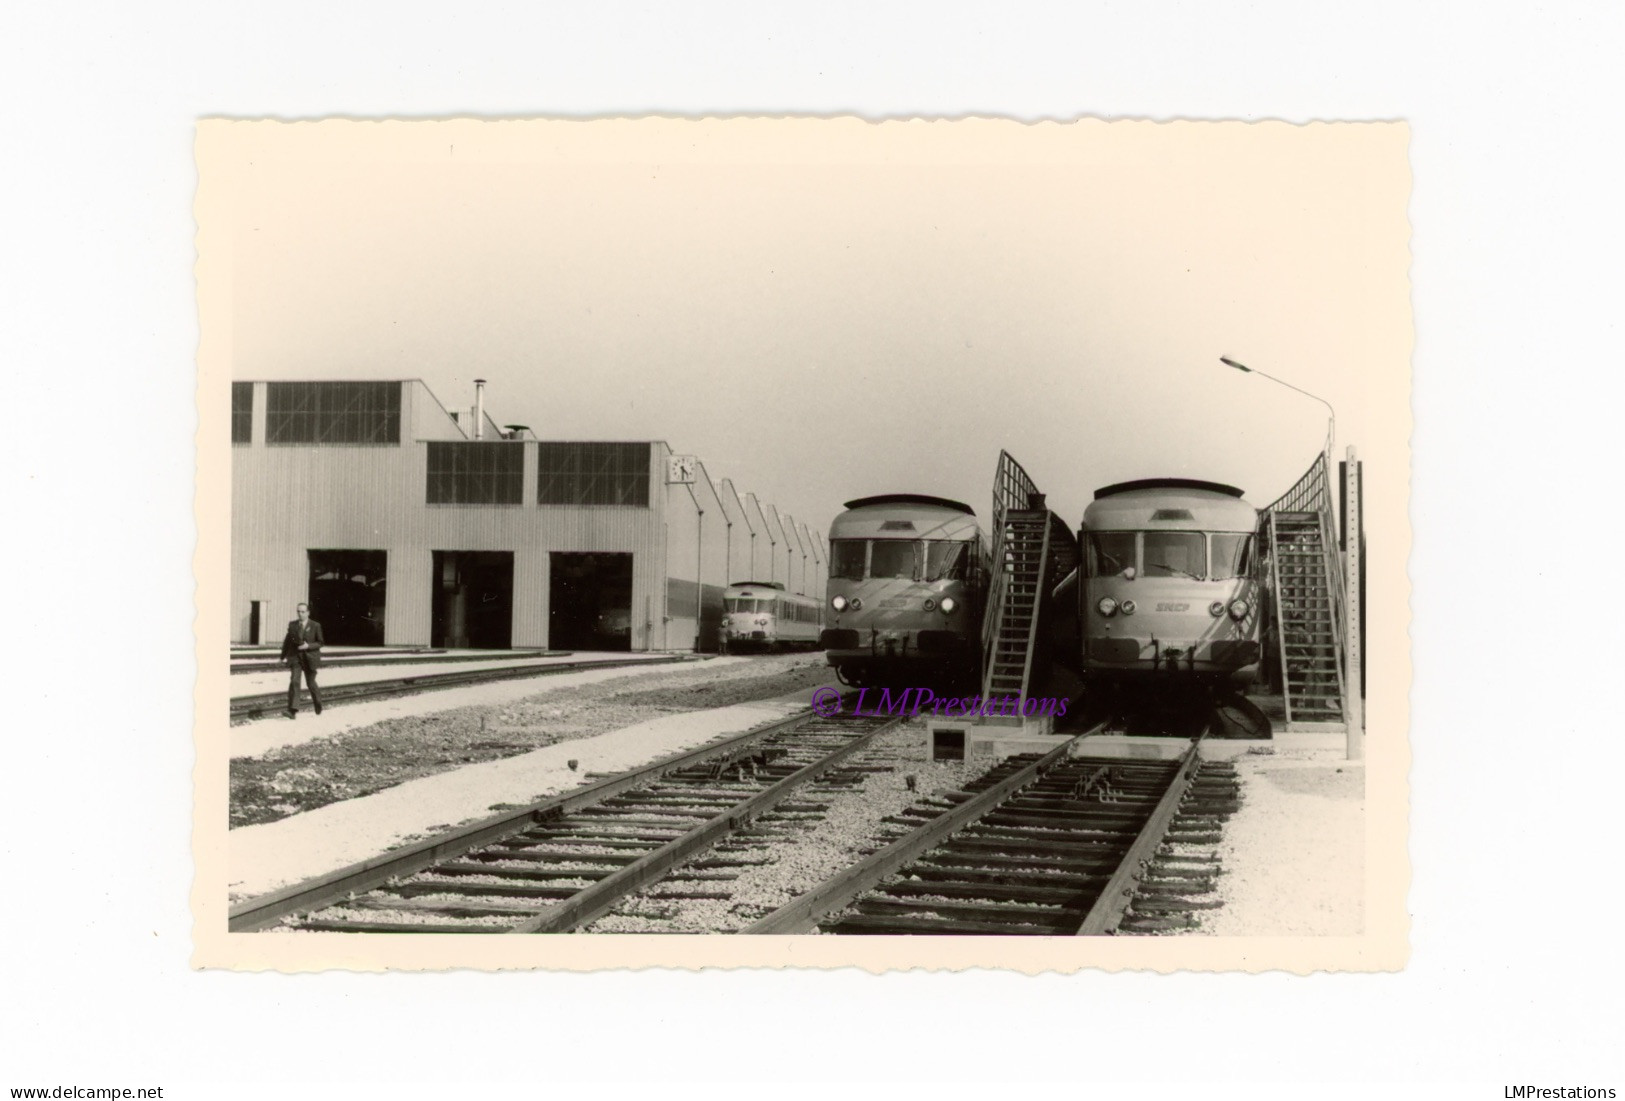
696	551
288	500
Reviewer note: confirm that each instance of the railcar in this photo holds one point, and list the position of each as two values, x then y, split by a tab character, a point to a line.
760	615
908	580
1173	586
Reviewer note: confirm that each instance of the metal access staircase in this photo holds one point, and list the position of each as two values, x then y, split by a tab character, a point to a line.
1014	602
1306	581
1032	548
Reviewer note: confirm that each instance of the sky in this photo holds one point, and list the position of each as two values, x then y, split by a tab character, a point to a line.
827	309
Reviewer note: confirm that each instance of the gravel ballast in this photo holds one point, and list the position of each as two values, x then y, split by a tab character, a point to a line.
776	870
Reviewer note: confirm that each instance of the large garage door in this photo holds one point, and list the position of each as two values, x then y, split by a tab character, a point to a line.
473	600
347	595
590	602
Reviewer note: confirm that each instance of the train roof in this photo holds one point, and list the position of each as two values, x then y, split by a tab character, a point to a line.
1169	504
905	516
919	499
1166	483
766	589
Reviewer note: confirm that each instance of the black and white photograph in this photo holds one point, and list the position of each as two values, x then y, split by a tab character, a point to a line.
628	470
923	536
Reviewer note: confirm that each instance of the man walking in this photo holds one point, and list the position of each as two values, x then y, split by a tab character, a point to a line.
302	650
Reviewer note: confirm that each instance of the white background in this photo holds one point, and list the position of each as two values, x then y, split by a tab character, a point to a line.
1515	966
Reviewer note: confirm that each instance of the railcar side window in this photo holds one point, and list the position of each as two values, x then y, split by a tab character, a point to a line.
945	560
895	558
1110	552
847	558
1232	554
1176	554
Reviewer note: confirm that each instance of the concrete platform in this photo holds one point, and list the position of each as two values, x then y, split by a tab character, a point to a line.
993	740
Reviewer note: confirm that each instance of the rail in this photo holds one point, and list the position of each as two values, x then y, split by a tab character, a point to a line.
248	707
595	901
323	890
1108	910
805	912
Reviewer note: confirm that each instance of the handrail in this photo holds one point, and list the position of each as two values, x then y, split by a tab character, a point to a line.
1012	489
1040	590
1312	493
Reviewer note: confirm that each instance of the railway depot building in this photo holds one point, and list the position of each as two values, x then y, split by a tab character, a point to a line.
404	523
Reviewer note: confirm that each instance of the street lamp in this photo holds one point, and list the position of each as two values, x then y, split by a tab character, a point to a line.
1331	428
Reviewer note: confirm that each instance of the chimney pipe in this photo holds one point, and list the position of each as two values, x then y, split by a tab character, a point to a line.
479	408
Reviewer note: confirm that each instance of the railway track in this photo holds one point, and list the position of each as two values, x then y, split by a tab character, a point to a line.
560	863
265	703
1040	846
273	664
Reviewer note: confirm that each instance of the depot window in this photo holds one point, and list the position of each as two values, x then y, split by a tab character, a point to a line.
592	474
475	473
333	413
242	412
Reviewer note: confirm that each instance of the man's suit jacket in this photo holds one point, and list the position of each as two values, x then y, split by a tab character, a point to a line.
313	635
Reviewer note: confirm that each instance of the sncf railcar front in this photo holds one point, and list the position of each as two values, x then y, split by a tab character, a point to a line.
907	582
760	615
1172	588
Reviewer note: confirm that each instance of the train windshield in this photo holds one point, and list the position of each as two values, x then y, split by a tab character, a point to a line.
847	558
945	560
746	604
895	558
1176	554
1110	552
1231	555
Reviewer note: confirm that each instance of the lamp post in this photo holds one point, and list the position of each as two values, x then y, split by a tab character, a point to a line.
1331	428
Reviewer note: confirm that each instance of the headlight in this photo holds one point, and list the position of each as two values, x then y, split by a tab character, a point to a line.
929	603
948	604
838	603
857	604
1239	610
1216	608
1107	606
1128	607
